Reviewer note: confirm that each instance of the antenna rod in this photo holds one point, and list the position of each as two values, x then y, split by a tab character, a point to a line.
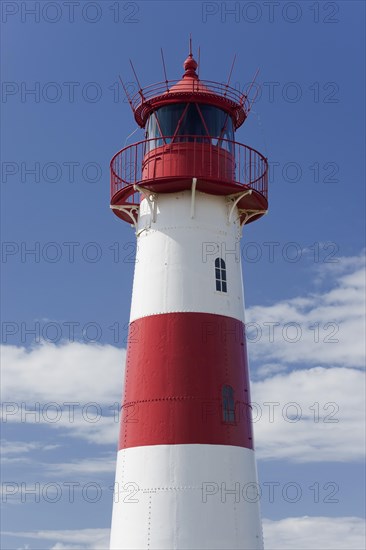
250	87
166	78
137	80
190	44
126	94
254	98
231	70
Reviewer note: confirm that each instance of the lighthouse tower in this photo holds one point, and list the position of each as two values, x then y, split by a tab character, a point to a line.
186	473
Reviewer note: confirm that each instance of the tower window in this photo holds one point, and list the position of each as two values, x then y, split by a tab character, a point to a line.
228	404
220	275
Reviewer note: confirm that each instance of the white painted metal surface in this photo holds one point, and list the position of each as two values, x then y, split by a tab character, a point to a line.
186	497
174	269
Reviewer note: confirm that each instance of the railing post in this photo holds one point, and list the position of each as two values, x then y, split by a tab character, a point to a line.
250	167
237	152
135	167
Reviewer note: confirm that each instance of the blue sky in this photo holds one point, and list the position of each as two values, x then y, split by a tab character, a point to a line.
309	121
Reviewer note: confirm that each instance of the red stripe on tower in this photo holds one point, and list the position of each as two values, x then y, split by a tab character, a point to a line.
186	382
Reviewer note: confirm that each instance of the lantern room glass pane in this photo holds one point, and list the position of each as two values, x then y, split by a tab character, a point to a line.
185	120
219	124
153	132
192	124
169	117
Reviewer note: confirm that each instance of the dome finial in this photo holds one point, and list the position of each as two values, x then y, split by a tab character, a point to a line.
190	65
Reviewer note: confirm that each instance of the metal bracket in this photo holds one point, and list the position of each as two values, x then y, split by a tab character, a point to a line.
250	213
128	211
193	196
151	200
237	199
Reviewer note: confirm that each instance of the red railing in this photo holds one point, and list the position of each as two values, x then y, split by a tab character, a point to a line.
187	157
190	86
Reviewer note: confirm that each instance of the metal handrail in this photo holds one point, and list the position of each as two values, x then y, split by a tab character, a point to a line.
189	85
186	157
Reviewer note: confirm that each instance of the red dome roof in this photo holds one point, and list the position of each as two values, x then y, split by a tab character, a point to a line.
190	89
190	81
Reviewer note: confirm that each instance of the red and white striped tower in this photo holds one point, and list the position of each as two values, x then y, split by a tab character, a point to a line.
186	473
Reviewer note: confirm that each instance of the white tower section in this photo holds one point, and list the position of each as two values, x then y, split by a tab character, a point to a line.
175	262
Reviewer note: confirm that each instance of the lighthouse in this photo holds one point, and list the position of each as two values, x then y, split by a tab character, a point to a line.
186	473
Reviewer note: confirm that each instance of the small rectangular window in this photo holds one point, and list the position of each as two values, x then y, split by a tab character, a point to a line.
220	275
228	404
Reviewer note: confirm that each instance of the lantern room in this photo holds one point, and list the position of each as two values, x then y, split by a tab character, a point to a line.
183	121
189	145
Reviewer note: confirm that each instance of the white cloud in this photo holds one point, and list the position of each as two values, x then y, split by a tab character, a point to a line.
23	447
340	266
295	533
70	372
104	464
328	406
61	546
48	377
323	328
19	452
337	386
103	430
318	533
101	465
81	539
